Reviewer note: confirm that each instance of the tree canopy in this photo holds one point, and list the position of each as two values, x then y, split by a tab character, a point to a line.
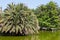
48	15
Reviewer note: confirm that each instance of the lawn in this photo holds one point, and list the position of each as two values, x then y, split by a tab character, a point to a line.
50	35
43	35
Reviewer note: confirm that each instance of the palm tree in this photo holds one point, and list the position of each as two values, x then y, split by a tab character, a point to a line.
19	20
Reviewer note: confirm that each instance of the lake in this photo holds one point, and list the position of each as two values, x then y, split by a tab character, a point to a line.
43	35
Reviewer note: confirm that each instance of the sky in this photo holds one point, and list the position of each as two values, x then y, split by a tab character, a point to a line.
30	3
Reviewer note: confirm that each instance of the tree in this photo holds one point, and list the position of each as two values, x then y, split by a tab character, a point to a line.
48	15
18	19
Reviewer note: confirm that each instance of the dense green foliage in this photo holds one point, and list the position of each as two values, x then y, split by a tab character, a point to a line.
48	15
18	19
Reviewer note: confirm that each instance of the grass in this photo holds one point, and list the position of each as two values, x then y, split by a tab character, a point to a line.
50	35
41	36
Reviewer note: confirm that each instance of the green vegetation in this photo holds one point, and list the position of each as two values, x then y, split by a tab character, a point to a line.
18	19
48	15
41	36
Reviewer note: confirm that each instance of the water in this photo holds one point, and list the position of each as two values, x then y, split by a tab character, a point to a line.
41	36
